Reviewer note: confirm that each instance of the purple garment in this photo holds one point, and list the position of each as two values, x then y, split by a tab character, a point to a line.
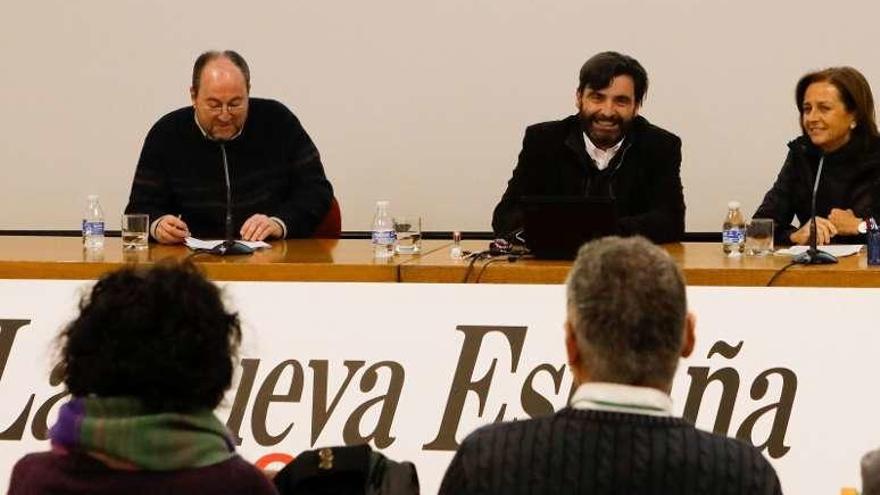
66	431
74	473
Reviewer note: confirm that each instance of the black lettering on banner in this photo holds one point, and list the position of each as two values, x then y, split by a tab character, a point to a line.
730	380
320	412
700	379
381	434
249	369
775	443
40	425
266	396
8	330
463	381
533	403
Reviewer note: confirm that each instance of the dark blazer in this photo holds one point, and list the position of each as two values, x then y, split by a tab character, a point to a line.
643	178
850	180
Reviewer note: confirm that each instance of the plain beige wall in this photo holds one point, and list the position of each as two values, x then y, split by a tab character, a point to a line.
420	102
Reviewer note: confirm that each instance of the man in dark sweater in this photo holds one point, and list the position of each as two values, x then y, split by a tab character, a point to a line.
229	149
605	151
627	325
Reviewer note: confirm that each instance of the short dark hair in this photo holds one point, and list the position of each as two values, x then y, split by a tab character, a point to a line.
600	69
161	335
855	92
627	303
208	56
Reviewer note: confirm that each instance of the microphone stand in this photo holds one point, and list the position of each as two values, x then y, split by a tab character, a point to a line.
229	246
813	255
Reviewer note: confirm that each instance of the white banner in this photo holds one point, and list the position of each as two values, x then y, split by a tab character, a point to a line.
413	368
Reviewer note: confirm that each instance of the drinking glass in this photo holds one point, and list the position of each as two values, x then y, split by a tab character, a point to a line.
759	237
409	234
135	227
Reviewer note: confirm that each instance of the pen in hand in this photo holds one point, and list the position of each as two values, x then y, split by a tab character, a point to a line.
185	227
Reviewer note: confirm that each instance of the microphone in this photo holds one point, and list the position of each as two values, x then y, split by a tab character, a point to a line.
814	256
230	245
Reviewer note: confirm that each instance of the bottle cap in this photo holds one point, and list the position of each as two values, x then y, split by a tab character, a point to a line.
733	205
382	203
92	197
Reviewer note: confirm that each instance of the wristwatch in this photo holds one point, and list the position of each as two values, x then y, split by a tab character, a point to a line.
863	227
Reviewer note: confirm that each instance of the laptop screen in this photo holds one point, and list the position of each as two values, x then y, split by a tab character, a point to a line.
555	227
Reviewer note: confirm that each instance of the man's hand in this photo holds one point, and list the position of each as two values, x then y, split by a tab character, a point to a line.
260	227
171	230
825	230
846	221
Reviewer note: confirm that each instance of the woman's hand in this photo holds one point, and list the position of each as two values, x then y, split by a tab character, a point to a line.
846	221
825	230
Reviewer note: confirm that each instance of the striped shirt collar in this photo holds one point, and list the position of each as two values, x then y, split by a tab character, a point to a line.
616	397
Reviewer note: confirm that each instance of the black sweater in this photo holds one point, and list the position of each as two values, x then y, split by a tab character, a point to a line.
599	452
274	170
643	178
850	180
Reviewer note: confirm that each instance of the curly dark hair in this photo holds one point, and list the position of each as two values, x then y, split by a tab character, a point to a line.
159	334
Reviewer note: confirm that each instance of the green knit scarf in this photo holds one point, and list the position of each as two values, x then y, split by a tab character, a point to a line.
120	433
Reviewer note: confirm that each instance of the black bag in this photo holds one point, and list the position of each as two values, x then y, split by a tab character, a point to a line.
351	470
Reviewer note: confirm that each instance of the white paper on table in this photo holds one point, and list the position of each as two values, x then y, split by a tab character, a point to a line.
837	250
193	243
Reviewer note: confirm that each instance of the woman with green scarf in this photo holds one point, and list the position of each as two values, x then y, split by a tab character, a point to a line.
147	360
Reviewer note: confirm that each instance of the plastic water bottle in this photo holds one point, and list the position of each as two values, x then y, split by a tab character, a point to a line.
383	232
733	231
93	224
873	241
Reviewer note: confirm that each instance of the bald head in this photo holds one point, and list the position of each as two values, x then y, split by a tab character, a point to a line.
208	57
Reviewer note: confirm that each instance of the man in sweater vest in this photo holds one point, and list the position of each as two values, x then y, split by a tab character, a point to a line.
627	325
229	165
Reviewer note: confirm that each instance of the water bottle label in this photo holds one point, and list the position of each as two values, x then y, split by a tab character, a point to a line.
733	236
383	237
93	228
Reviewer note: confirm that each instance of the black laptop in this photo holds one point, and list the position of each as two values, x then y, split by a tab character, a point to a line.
554	227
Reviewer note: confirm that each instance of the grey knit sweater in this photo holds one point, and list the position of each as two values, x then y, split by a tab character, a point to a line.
599	452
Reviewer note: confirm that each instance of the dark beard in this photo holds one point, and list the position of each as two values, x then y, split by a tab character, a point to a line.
603	140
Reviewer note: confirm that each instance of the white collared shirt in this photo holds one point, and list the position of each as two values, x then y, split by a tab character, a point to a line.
617	397
601	157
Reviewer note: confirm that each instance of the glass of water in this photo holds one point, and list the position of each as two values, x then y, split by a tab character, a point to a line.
409	234
134	230
759	237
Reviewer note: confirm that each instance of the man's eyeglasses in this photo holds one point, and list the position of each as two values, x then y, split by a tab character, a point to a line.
233	108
